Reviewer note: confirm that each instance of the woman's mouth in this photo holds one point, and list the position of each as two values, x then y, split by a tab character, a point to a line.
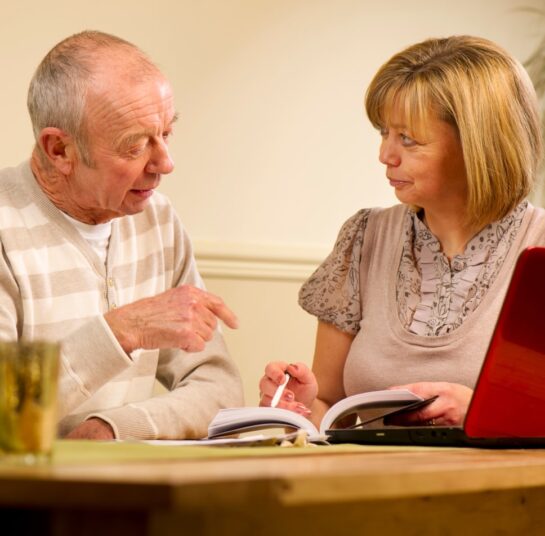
397	183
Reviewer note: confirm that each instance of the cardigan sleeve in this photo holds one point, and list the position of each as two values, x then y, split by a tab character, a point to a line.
332	293
198	384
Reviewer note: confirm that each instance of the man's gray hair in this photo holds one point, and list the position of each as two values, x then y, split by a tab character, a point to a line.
58	89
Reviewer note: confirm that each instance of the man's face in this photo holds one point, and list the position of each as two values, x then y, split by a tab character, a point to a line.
128	128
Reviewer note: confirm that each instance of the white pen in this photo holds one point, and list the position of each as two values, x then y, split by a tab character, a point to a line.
279	391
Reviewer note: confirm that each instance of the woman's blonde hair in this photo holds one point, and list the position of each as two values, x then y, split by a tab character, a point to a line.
480	89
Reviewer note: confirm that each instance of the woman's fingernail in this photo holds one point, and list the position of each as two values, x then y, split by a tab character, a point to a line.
288	396
294	366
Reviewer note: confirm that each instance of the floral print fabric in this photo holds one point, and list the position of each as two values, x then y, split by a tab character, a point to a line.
332	293
434	296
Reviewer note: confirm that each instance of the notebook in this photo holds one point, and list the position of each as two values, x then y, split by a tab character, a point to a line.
508	404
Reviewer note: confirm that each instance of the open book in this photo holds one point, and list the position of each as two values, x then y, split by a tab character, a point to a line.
379	403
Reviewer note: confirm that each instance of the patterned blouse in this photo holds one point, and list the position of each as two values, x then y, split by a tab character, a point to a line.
434	296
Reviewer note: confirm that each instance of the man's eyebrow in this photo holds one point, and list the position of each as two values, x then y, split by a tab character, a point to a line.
133	138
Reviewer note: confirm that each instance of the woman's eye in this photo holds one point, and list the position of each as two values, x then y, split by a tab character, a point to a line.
383	132
406	141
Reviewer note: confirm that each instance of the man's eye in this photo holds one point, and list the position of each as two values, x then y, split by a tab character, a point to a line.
167	135
137	150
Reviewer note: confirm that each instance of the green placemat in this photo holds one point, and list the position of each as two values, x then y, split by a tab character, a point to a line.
84	452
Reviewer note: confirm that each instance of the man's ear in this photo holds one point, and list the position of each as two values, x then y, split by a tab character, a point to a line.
59	149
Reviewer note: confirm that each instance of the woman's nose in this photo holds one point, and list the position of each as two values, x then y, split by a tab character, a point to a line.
389	153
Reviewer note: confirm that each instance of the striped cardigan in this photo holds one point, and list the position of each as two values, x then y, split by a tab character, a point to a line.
53	286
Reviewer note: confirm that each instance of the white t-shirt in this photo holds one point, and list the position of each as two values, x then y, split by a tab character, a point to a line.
98	236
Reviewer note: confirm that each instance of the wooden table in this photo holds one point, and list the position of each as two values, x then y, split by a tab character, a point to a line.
106	489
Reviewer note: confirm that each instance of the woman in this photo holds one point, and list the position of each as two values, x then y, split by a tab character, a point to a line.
410	294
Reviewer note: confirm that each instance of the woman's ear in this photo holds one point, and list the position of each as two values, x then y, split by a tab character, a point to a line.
58	148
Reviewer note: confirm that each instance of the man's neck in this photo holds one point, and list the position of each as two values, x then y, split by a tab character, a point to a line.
56	187
52	183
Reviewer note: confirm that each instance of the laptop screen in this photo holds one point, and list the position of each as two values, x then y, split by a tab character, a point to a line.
509	398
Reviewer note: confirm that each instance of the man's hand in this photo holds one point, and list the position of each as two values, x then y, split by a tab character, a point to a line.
94	428
183	317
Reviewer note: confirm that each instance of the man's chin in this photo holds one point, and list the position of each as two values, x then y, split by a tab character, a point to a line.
136	201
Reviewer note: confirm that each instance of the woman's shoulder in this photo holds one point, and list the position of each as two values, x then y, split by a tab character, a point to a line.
533	219
534	211
381	213
380	216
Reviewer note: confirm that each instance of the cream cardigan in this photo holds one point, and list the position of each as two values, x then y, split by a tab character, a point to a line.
54	286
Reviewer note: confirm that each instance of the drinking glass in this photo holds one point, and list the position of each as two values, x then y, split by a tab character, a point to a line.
28	400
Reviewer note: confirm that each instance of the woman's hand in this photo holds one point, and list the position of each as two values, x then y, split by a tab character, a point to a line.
300	391
449	409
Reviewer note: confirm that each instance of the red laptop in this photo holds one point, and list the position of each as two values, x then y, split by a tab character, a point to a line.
508	404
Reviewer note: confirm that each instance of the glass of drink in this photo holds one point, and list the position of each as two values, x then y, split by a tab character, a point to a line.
28	400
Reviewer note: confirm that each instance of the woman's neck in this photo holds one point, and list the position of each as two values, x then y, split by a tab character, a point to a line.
451	231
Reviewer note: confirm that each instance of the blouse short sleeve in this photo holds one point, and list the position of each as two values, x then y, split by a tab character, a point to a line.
332	292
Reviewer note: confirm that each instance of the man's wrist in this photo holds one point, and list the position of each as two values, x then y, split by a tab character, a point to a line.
112	319
92	428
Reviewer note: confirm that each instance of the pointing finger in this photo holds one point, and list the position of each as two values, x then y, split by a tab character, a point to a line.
218	307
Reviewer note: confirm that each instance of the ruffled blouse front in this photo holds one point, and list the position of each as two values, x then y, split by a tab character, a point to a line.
434	296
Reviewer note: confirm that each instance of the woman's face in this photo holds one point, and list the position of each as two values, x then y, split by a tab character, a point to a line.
426	170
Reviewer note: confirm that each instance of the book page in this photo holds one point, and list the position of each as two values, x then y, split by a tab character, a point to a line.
373	399
234	420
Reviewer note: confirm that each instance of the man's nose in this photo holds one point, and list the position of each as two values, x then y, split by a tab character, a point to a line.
160	160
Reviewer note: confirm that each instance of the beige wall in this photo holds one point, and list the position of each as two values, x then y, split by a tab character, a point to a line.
273	152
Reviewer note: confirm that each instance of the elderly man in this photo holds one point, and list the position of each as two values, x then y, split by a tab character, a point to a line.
94	257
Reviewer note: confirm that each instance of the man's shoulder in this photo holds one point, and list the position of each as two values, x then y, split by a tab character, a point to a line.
11	177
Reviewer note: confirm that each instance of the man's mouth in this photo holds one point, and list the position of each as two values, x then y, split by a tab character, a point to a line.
143	193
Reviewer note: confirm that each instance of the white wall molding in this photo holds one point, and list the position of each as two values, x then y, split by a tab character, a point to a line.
257	261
